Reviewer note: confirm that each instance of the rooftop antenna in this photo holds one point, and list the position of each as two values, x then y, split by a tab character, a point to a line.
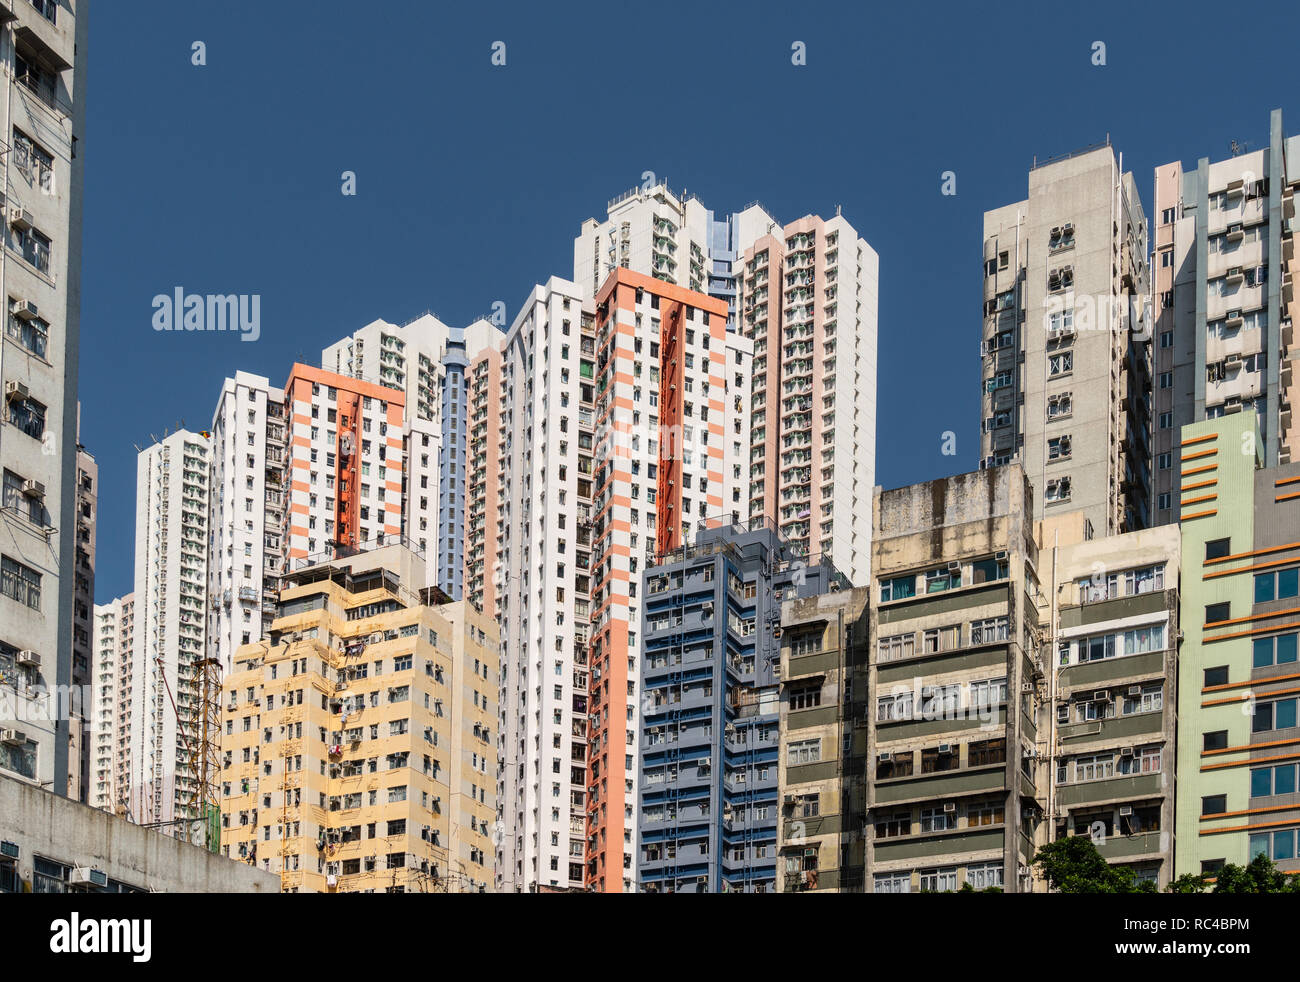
1239	148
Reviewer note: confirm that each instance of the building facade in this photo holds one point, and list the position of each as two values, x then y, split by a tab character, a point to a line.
1224	266
1065	376
83	602
111	701
247	513
825	641
344	467
710	678
1114	687
171	558
43	48
957	789
1239	733
357	745
808	300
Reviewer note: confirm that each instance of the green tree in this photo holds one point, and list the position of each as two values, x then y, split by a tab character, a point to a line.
1073	865
1259	876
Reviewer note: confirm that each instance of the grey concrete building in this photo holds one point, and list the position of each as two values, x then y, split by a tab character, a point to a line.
825	640
52	844
43	49
80	730
1065	349
957	787
1225	301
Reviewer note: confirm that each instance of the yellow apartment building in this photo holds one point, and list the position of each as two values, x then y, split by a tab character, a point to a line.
357	744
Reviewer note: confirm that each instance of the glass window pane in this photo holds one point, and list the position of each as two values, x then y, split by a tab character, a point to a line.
1263	652
1284	716
1284	844
1286	647
1284	779
1288	582
1258	845
1263	587
1261	782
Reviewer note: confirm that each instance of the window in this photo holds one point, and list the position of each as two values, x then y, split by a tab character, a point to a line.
29	416
20	582
803	752
30	508
984	875
1275	845
898	588
1214	804
1217	548
939	880
1217	612
30	332
1061	363
1058	489
1145	761
892	826
1149	700
1058	448
935	819
34	162
892	883
989	631
1266	781
1277	650
1277	715
898	646
941	639
894	765
937	759
1278	585
1216	740
806	697
984	752
1166	421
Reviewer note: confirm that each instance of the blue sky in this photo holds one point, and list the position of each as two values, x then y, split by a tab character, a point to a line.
472	179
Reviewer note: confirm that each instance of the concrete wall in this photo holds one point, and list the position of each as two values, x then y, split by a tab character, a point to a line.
47	825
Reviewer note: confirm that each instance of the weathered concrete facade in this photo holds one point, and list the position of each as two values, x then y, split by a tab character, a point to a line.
1111	607
53	837
957	785
824	644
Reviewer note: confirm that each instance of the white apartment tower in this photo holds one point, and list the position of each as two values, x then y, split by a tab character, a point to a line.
246	514
1224	266
171	559
808	300
806	295
111	700
427	360
603	432
43	47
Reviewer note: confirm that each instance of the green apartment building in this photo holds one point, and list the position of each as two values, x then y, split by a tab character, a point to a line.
1239	738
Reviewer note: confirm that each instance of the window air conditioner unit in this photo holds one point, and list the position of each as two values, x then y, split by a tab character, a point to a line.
23	309
1126	751
13	737
1125	810
1001	556
954	566
89	875
1100	695
1135	690
33	489
1026	686
945	748
950	806
789	799
20	218
16	391
1022	870
29	658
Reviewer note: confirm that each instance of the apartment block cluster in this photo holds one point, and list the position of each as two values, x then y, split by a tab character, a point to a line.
607	599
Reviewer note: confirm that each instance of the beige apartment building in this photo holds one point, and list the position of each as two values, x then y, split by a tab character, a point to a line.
1113	683
358	750
957	789
824	644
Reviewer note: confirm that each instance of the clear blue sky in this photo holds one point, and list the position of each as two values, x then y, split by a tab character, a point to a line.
473	179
